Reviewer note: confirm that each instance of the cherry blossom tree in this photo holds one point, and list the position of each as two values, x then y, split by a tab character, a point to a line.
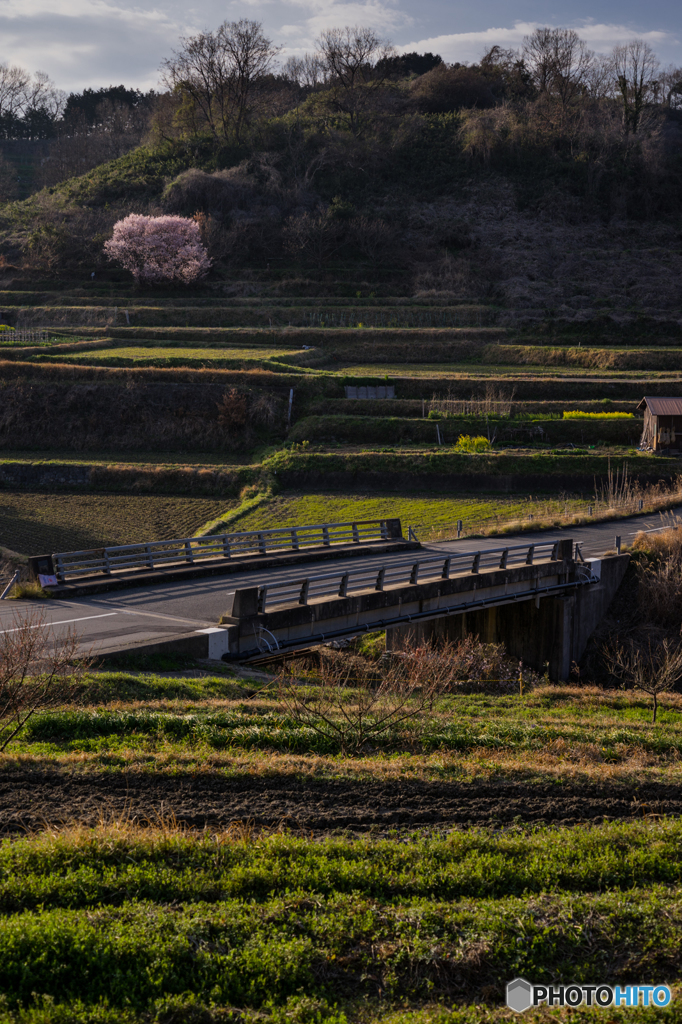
159	249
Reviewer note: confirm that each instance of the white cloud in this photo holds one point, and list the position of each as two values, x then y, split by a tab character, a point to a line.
469	46
87	42
99	42
385	18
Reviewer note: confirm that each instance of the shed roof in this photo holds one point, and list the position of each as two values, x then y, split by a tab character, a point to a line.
662	406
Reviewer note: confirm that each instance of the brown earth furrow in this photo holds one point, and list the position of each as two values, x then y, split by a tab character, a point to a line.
32	799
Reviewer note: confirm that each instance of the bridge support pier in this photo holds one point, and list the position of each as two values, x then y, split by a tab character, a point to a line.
547	632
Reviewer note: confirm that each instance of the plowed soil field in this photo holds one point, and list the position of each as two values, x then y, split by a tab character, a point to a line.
32	799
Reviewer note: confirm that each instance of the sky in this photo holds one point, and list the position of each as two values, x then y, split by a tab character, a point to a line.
97	43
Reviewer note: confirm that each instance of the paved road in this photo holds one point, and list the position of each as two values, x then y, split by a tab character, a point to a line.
148	615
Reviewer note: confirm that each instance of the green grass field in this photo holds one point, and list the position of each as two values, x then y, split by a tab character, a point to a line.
158	355
361	925
146	723
160	924
461	369
310	952
36	523
288	509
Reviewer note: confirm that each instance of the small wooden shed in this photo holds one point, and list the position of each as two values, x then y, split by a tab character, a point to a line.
662	424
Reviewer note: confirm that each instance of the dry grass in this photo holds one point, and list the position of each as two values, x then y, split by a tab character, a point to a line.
581	734
28	590
667	543
618	498
578	764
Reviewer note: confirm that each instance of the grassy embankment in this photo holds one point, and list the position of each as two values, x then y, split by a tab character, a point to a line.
151	723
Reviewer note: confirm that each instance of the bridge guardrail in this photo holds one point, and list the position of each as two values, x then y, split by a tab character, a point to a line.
157	554
341	584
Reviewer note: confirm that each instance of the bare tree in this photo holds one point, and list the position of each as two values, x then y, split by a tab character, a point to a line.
218	70
599	78
42	94
558	61
14	82
374	238
350	56
634	66
354	707
654	669
37	672
21	93
312	239
670	86
307	71
355	704
250	55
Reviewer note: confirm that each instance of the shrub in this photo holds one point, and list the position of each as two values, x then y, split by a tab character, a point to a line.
156	249
578	414
38	672
467	443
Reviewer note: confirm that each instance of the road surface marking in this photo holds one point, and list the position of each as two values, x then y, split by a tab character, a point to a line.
156	615
62	622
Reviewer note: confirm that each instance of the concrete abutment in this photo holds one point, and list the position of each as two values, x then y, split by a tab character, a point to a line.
544	632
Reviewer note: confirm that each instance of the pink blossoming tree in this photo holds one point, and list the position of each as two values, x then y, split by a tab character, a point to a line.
156	249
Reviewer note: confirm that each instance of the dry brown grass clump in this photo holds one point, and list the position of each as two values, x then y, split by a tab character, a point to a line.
667	543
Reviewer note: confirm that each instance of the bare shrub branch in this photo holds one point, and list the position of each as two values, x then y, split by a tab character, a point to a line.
654	669
355	704
38	671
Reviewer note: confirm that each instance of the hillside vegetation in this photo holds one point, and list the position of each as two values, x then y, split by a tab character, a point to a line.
543	179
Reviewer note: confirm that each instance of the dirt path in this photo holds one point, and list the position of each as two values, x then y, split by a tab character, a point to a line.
32	799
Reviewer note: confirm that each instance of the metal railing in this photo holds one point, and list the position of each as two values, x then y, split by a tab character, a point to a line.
7	587
158	554
24	337
342	584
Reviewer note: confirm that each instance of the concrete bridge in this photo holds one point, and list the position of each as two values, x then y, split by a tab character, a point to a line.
538	599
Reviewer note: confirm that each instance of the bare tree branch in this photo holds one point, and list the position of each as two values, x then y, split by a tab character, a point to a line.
217	72
652	669
38	671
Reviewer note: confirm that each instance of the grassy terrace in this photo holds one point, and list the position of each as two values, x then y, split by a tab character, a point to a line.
174	459
173	356
146	723
396	430
457	369
433	510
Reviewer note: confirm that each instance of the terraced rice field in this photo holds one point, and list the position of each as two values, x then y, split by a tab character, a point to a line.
158	355
149	460
35	523
510	370
229	864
